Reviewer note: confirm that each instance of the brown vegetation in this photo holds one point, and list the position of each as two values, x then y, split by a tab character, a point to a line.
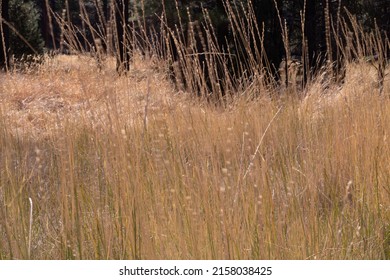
132	166
128	168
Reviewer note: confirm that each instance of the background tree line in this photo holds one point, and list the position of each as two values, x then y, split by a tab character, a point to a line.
34	26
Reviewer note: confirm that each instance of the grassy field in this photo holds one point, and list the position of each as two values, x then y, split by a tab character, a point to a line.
127	167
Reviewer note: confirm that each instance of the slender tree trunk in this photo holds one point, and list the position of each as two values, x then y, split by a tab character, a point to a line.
45	30
4	32
47	24
106	10
310	33
123	43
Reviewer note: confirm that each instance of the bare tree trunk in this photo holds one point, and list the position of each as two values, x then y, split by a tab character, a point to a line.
123	43
310	33
47	24
4	32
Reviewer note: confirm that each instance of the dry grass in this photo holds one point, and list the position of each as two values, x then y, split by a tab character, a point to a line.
127	168
67	88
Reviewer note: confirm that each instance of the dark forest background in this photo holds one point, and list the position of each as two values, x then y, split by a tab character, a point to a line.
31	27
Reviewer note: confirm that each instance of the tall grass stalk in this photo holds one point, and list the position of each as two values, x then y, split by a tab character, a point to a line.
30	227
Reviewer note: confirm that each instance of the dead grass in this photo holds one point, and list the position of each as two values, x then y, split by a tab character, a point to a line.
125	167
67	88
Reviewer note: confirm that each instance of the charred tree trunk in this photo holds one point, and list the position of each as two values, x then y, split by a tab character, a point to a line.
323	40
4	41
310	54
333	39
47	23
123	43
266	13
